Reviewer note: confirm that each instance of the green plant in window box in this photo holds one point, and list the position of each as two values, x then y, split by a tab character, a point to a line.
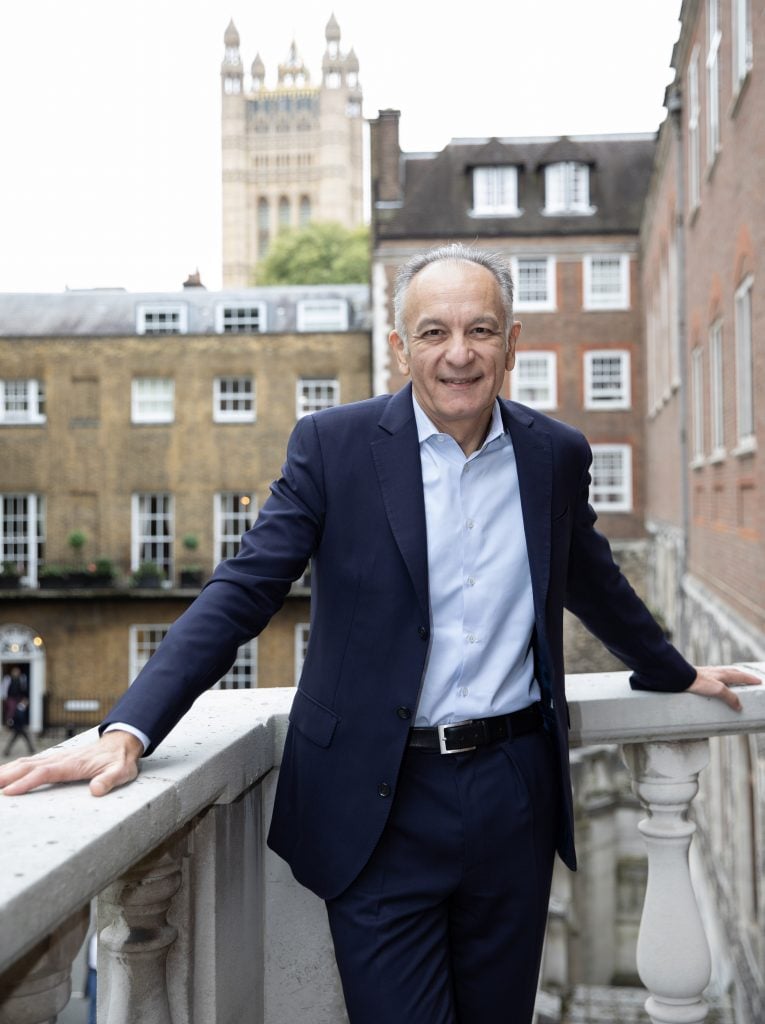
10	576
191	574
148	574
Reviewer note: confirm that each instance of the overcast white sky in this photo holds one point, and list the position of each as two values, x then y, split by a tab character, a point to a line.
110	109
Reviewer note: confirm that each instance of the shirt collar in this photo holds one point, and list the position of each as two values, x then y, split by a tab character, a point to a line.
427	429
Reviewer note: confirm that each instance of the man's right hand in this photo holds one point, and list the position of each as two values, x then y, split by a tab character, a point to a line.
109	762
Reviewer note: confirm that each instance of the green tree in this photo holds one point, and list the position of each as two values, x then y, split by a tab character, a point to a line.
321	253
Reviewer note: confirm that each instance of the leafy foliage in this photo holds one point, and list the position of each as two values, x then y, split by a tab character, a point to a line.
321	253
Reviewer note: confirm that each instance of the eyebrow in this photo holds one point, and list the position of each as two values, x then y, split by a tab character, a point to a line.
433	321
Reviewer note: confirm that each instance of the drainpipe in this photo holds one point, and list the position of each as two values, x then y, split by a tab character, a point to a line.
675	110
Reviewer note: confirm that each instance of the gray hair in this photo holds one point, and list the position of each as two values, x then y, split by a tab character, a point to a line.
457	253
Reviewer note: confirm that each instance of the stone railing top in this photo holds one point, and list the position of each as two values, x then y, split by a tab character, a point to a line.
59	847
604	709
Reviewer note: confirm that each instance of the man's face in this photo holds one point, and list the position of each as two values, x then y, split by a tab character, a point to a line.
457	356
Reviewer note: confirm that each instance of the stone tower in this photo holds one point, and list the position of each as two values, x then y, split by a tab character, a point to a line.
291	154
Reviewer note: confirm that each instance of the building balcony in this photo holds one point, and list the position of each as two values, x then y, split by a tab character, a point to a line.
199	923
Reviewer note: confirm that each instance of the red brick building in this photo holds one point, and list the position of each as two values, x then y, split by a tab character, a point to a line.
703	240
566	212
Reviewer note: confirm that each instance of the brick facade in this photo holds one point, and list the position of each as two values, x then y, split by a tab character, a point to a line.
88	457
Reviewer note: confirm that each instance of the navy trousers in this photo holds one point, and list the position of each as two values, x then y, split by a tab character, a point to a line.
446	922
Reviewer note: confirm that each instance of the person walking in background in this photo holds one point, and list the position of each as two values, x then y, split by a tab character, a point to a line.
17	709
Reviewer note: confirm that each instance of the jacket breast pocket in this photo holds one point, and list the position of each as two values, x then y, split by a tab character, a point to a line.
313	720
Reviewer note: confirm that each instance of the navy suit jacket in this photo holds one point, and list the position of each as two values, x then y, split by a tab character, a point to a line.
351	499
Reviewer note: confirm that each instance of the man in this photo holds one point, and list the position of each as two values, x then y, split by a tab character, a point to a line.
447	531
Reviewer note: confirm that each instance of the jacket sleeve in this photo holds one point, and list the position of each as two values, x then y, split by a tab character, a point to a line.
238	601
601	596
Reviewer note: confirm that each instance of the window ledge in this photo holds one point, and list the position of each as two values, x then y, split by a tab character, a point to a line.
589	212
739	90
698	463
484	214
746	446
717	456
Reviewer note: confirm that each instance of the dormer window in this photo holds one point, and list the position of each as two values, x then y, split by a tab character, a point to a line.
495	191
567	188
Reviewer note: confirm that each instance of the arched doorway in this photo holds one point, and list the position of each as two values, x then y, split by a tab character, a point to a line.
20	645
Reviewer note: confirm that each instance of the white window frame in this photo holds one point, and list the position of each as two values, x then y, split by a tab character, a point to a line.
545	381
140	650
714	38
31	393
567	188
617	397
745	398
302	635
22	532
312	394
741	33
231	405
716	393
152	400
617	300
535	305
322	315
694	140
697	406
177	313
623	502
145	544
241	317
231	508
243	674
495	191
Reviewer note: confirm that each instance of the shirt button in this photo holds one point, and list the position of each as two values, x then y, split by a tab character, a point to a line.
470	638
463	691
470	581
469	524
403	712
383	789
422	632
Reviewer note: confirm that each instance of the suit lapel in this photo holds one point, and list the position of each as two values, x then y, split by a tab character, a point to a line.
396	456
533	457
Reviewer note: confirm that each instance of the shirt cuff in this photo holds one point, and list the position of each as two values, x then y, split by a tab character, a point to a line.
121	727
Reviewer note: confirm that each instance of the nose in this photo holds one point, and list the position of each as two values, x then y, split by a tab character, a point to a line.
459	351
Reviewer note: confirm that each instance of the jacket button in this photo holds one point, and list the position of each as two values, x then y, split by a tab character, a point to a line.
403	712
422	632
383	789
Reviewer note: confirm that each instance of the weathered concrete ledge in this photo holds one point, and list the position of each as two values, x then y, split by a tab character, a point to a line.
60	847
604	709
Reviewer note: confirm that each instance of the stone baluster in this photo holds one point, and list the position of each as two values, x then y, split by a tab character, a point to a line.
133	946
673	957
39	985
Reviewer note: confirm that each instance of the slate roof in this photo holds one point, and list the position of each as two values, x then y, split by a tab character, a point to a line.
113	312
437	187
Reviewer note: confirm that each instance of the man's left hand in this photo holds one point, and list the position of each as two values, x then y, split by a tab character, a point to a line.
715	681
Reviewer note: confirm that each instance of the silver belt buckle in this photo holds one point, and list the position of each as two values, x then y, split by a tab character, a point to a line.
442	737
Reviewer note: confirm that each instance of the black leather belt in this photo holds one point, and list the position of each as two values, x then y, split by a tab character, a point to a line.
477	732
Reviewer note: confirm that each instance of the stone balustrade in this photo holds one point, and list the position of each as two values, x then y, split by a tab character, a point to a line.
199	923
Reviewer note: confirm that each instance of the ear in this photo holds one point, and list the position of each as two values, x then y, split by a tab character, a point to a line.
512	338
396	342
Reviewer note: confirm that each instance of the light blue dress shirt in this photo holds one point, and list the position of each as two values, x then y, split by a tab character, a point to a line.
480	660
